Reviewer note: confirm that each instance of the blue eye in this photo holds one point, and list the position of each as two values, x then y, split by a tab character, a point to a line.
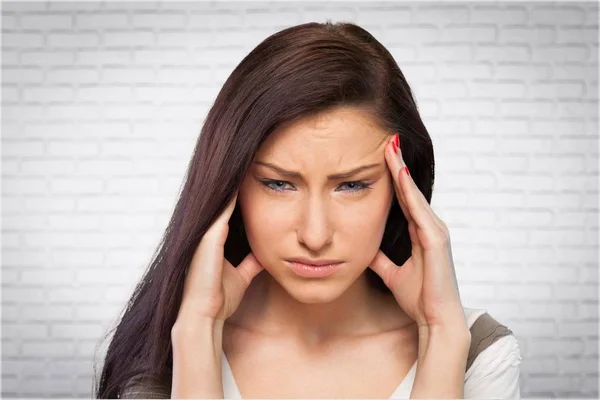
357	186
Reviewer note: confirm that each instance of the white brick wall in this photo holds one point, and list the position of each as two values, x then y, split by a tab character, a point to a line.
101	105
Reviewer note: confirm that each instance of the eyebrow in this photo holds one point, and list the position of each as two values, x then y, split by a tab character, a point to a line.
295	174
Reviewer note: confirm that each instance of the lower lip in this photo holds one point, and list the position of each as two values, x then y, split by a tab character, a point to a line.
313	271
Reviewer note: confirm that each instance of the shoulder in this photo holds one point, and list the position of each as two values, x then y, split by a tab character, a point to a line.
485	331
493	364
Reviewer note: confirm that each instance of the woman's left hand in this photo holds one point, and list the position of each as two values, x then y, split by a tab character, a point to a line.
425	286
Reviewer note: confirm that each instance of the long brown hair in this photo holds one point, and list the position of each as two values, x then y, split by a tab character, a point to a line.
296	72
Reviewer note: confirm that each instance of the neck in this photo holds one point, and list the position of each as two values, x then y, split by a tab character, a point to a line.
360	311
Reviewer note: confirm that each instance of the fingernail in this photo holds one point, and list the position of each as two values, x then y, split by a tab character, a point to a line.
406	169
396	143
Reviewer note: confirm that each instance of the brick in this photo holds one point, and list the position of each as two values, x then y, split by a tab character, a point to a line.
158	20
552	15
95	20
47	20
498	14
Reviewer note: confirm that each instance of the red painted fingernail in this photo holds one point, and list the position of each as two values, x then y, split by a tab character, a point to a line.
397	142
406	169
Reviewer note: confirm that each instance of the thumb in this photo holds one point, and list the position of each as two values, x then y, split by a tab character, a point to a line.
249	268
385	268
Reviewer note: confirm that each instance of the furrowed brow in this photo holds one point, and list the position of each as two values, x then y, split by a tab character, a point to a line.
295	174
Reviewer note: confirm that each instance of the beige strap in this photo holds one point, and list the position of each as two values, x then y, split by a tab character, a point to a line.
146	387
484	331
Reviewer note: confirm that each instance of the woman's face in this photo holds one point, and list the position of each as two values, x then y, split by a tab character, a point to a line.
314	216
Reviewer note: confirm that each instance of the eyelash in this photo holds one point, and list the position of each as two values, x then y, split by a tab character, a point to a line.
362	185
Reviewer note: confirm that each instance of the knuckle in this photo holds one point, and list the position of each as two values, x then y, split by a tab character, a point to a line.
445	231
440	238
388	273
217	232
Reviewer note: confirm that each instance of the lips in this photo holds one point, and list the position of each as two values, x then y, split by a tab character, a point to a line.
314	263
315	271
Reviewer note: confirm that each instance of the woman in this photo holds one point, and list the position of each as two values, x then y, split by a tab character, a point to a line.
313	153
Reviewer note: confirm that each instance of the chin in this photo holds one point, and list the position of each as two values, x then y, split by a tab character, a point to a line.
313	296
314	291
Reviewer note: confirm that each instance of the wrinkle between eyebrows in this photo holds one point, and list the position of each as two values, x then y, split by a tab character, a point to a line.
342	175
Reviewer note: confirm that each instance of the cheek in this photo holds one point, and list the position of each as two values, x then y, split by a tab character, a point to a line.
367	223
266	223
365	233
263	224
372	212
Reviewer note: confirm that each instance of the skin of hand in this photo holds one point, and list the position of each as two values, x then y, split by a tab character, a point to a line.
425	286
213	287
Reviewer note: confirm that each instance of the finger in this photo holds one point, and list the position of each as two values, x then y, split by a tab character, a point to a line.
384	267
220	227
417	205
425	204
209	252
398	278
249	268
419	194
394	167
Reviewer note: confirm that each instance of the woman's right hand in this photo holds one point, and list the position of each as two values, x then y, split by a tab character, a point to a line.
213	287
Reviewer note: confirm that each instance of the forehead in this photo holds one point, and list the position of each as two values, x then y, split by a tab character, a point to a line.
343	128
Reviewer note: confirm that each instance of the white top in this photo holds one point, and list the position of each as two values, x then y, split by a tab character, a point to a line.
493	374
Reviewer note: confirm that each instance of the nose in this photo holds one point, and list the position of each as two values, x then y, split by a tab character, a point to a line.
315	231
